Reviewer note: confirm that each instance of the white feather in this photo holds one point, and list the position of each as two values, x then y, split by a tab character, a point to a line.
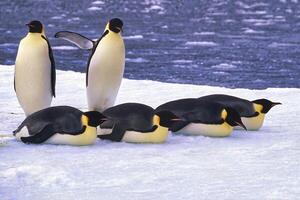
33	74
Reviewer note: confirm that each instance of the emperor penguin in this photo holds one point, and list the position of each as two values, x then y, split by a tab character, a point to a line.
202	117
252	112
60	125
34	81
105	67
136	123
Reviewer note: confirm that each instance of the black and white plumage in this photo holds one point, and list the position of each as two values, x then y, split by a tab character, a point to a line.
34	82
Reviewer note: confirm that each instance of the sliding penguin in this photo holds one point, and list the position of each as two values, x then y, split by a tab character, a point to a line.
60	125
202	117
105	66
34	81
252	113
136	123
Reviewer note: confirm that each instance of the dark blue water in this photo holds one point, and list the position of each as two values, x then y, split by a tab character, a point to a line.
246	43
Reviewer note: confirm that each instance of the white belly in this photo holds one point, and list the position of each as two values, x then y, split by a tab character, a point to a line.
253	123
87	138
33	76
160	135
105	73
215	130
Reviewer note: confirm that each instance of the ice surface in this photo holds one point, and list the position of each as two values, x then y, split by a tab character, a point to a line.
64	48
204	43
133	37
247	165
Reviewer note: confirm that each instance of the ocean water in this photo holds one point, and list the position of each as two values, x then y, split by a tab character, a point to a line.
237	44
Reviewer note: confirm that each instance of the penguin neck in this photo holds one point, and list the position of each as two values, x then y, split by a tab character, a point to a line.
258	108
84	121
111	33
35	34
156	121
254	123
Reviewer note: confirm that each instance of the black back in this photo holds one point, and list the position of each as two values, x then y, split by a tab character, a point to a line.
64	119
193	110
242	106
130	116
53	72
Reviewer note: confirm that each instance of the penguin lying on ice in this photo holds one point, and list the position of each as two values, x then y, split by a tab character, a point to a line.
202	117
251	112
60	125
136	123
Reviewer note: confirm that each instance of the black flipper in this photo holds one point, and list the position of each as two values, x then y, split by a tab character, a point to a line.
47	132
15	83
93	51
178	125
79	40
53	73
117	134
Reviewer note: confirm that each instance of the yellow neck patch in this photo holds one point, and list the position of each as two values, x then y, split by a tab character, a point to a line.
84	120
224	114
257	107
156	120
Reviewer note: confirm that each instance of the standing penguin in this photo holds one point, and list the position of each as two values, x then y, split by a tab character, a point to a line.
60	125
251	112
202	117
34	81
136	123
105	66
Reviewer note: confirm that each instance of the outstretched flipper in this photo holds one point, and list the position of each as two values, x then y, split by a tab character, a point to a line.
79	40
47	132
117	134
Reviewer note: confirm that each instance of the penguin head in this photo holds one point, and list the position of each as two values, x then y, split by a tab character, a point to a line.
95	118
266	104
35	26
167	118
232	117
115	25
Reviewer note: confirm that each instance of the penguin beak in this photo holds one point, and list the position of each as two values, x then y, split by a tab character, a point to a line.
29	25
121	30
275	103
176	119
241	125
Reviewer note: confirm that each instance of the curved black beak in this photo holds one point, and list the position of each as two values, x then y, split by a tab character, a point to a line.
275	103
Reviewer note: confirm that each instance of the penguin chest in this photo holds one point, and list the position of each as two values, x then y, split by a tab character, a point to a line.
105	73
212	130
33	75
158	136
88	137
253	123
33	66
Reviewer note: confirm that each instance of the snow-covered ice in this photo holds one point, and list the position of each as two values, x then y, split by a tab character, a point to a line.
247	165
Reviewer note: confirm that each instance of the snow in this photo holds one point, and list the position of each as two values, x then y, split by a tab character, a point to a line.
64	48
203	43
131	37
94	8
136	60
246	165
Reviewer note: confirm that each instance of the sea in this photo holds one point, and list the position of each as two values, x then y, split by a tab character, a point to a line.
251	44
